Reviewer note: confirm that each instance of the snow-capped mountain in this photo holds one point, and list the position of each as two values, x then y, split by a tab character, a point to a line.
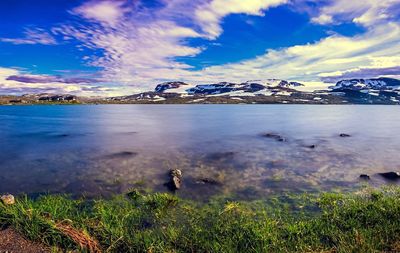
269	91
169	85
225	87
361	84
379	90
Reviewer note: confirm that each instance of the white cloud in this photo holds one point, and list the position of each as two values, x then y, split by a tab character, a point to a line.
143	45
32	36
105	12
366	12
140	54
209	15
11	86
140	46
378	48
323	19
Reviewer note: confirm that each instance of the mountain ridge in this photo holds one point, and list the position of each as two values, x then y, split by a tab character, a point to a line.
269	91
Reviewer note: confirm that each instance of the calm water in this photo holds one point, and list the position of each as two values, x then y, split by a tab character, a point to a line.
106	149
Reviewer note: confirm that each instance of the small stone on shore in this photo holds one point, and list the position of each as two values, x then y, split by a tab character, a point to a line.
8	199
176	179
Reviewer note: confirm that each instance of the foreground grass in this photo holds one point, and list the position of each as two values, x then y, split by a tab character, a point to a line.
159	222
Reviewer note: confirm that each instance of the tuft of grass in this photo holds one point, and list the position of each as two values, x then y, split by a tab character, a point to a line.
160	222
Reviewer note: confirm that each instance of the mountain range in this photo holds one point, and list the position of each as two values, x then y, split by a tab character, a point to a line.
270	91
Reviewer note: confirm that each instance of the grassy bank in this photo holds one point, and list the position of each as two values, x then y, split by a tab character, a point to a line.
367	222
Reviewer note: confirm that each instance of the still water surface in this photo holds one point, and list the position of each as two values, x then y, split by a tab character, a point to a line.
106	149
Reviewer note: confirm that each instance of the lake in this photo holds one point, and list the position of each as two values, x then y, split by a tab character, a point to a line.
99	150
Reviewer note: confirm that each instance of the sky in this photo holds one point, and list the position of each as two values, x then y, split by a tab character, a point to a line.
119	47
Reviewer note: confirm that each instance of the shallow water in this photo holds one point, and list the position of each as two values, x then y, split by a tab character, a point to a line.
105	149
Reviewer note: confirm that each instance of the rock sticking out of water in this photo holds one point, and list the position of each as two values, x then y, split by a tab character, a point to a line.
364	177
8	199
175	179
390	175
344	135
275	136
311	146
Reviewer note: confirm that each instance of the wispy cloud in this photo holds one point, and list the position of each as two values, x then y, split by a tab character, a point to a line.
15	81
363	73
366	12
32	36
106	12
49	79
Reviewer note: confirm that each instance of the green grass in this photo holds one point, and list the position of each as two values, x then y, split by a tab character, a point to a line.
159	222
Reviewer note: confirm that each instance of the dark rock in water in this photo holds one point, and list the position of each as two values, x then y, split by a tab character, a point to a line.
211	181
221	155
275	136
390	175
175	181
344	135
364	177
123	154
62	135
311	146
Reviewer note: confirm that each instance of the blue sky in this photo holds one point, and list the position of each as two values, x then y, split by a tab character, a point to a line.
104	47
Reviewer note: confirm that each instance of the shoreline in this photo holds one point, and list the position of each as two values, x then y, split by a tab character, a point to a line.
364	221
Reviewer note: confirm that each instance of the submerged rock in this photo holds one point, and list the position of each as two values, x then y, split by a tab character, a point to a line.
8	199
364	177
344	135
221	156
207	180
275	136
311	146
175	182
123	154
390	175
